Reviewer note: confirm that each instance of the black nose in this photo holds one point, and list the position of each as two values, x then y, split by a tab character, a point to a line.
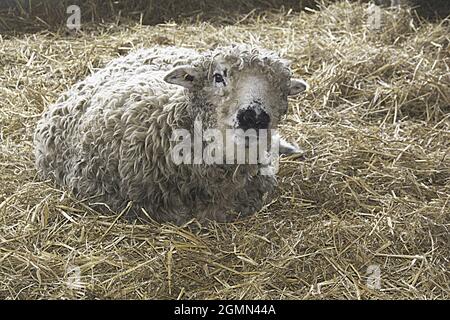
253	119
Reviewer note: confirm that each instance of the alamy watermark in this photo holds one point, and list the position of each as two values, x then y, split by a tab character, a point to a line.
73	279
374	277
230	146
374	19
74	20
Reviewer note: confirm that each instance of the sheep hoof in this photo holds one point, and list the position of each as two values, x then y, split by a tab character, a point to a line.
288	149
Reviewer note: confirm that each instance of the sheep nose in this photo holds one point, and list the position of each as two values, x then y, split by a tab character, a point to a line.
253	119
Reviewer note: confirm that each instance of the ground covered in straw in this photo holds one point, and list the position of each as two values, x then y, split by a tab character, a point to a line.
371	196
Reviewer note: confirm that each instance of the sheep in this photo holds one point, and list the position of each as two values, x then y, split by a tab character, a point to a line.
108	138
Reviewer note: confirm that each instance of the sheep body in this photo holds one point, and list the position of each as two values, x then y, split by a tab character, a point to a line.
107	140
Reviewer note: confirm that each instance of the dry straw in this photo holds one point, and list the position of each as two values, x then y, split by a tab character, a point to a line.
32	15
37	14
373	192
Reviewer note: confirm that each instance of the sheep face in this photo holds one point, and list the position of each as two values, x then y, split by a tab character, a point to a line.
246	88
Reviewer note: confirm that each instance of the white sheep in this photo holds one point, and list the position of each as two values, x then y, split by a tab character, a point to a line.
108	139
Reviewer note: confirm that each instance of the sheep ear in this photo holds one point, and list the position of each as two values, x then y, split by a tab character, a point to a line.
182	76
297	86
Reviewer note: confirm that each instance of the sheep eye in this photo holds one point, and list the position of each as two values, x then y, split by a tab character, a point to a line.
218	78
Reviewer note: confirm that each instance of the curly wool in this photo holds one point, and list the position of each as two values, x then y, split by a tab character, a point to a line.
108	139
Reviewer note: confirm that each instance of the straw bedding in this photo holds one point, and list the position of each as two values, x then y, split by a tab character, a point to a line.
371	193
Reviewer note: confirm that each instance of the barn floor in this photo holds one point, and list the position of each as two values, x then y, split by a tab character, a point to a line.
370	202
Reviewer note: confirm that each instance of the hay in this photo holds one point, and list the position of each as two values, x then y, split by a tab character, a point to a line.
372	192
34	15
29	15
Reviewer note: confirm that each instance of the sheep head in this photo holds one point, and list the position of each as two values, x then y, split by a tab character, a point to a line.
247	87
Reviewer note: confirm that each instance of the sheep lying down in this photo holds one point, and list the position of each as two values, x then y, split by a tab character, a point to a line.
172	134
